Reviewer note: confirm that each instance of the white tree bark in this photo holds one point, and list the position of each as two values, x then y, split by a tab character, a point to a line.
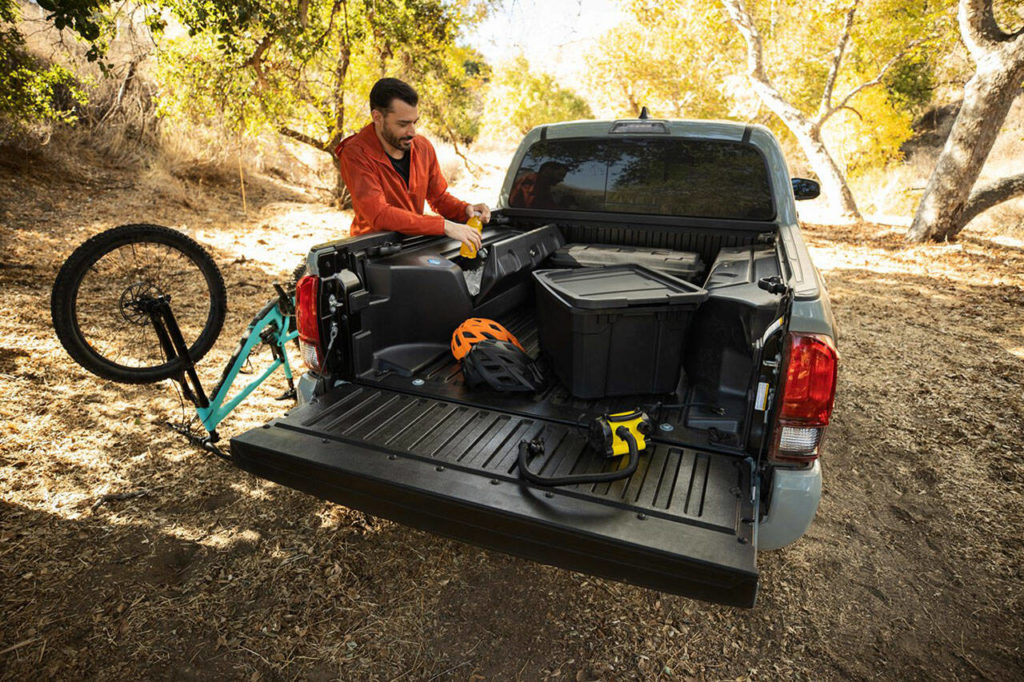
985	197
948	203
807	131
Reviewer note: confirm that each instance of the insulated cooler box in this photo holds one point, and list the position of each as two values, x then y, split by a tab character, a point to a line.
617	330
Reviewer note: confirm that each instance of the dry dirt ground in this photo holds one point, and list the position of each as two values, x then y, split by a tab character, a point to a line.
912	569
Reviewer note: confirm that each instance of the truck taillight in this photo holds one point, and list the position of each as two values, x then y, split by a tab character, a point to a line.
308	323
806	397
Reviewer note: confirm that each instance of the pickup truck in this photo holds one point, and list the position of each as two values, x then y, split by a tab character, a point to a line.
387	424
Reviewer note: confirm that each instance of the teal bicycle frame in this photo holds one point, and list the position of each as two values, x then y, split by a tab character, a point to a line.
273	326
270	326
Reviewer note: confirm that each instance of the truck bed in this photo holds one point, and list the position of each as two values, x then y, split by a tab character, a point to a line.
681	523
440	377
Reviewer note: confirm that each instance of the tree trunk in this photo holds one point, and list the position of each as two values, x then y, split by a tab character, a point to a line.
342	197
942	213
833	184
807	131
947	203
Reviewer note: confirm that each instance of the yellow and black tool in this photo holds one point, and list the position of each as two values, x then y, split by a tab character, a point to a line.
611	435
604	432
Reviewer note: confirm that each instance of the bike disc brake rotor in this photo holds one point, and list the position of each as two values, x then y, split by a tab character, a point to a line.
136	300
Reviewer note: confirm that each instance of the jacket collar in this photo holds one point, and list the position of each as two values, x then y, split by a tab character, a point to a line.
370	144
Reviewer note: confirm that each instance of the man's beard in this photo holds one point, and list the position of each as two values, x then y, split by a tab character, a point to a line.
395	141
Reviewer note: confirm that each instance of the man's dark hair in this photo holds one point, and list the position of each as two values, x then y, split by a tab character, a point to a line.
387	89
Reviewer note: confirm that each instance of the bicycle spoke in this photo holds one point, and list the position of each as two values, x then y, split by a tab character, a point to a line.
110	310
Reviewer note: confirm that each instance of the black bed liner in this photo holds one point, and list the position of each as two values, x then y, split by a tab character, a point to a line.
441	378
680	524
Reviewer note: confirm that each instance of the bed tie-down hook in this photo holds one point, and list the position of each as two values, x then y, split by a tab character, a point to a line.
773	285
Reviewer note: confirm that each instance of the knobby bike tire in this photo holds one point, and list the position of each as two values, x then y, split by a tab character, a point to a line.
64	301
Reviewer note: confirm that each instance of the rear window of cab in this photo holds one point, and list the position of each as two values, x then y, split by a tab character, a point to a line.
646	175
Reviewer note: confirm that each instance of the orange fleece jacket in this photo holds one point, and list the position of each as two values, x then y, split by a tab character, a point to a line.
379	195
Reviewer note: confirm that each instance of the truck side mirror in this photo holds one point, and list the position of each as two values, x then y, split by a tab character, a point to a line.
805	189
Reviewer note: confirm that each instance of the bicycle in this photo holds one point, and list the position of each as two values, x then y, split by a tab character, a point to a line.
111	310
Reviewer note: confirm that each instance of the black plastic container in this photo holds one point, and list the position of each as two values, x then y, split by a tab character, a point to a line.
618	330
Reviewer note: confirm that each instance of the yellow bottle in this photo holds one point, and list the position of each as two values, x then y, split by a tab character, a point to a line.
468	251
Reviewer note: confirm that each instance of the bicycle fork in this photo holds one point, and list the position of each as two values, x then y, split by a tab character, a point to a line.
174	347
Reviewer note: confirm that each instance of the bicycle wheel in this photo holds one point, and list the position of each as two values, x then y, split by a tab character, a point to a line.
98	301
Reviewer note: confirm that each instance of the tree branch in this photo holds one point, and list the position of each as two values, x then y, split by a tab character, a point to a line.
844	103
117	497
837	58
849	108
256	60
340	73
304	138
318	43
755	67
806	131
988	195
125	84
745	24
978	27
470	166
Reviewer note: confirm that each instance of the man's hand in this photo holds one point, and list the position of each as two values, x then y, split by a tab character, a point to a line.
480	210
464	233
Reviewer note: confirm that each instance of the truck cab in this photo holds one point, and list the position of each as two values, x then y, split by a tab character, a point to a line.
646	266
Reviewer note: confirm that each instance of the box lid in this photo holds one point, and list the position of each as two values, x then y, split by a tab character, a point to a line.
619	286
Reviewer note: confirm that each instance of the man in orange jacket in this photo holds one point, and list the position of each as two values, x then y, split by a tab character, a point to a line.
390	171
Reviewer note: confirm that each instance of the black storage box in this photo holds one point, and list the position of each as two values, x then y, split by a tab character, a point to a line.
618	330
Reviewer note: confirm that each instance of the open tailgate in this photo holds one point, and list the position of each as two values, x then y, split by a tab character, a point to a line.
680	524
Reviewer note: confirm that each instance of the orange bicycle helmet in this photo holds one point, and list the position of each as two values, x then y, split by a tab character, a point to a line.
476	329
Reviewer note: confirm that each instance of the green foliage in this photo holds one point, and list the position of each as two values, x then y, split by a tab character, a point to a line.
29	89
520	99
451	95
90	19
873	138
673	58
200	85
306	68
1009	14
911	83
683	58
878	119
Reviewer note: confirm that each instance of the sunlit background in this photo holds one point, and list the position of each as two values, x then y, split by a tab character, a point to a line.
556	34
193	88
